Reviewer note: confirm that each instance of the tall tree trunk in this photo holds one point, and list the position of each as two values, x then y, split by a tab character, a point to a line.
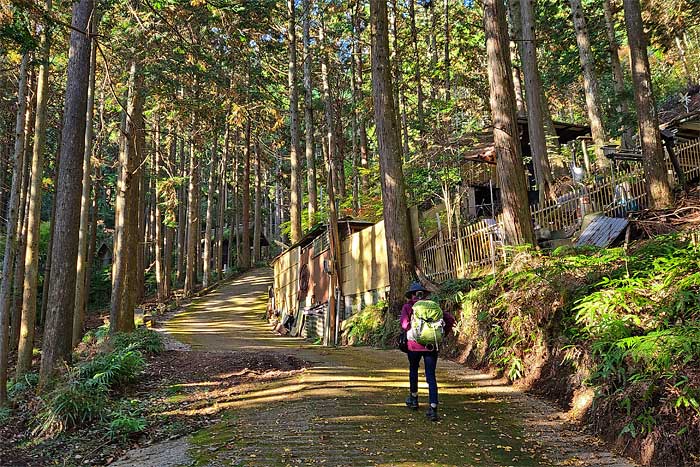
396	222
362	120
31	260
618	77
11	229
233	243
192	221
23	221
330	144
223	201
517	224
416	65
160	273
294	150
515	32
59	313
181	214
432	46
169	236
49	254
126	228
446	4
655	172
140	240
534	95
309	117
209	221
85	204
257	223
590	83
355	148
92	242
245	208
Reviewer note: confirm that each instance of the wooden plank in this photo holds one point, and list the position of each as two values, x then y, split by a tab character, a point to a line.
602	231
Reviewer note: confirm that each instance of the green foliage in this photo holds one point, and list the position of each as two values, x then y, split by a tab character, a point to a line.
629	319
114	369
126	420
5	414
84	396
142	339
70	405
17	387
372	326
100	287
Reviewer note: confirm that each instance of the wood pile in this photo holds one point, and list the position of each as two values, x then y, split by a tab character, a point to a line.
684	216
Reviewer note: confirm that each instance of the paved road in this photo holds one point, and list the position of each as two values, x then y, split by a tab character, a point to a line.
348	410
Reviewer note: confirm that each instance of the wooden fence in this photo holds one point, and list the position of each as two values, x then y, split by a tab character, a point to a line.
478	246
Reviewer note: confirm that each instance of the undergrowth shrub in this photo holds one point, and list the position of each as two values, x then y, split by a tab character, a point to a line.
15	388
626	323
70	405
142	339
87	392
113	370
372	326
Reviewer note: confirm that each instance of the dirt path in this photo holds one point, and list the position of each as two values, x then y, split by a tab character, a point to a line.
347	410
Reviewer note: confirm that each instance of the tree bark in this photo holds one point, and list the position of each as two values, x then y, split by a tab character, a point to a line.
362	120
446	4
416	58
158	227
19	273
245	208
209	221
618	77
192	221
59	313
11	229
309	118
398	231
126	228
257	223
181	214
330	144
517	224
655	172
85	204
31	260
590	83
294	150
223	201
534	96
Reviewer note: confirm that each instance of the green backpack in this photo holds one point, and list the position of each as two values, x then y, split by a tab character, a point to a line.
427	324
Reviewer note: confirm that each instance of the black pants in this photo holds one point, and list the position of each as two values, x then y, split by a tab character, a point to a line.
430	359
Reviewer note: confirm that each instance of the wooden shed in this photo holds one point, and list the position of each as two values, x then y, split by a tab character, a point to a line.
302	280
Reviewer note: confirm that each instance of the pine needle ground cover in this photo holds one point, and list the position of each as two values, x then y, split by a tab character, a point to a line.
613	335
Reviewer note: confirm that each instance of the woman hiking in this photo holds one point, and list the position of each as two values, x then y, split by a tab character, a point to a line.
428	352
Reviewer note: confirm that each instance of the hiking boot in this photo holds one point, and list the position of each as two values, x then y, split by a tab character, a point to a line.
432	414
412	402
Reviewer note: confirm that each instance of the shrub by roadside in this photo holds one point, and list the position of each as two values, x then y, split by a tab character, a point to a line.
612	335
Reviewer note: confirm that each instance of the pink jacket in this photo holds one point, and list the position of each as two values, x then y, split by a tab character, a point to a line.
407	312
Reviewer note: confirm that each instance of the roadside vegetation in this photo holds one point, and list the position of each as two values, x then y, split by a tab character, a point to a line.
613	335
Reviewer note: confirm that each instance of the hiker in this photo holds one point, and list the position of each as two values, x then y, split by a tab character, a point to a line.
428	352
